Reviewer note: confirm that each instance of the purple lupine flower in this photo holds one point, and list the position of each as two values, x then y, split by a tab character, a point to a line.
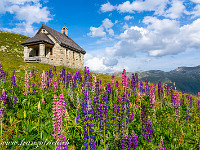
15	99
129	142
133	84
136	79
148	130
182	99
87	110
13	82
4	98
132	141
147	86
161	145
160	90
62	143
167	90
141	87
143	115
198	104
191	101
188	115
2	73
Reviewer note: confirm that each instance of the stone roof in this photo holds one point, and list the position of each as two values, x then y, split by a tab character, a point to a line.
62	39
38	38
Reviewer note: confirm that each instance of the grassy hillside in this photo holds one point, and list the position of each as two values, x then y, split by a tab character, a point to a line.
11	56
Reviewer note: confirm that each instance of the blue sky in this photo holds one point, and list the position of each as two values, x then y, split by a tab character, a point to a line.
135	35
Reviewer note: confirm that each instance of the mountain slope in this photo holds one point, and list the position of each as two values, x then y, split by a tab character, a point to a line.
186	79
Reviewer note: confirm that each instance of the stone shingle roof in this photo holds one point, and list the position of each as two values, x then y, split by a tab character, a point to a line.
39	37
62	39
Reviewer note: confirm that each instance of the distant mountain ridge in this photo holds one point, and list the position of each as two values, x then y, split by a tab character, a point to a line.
186	79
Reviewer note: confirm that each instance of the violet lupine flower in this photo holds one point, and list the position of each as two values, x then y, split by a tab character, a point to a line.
141	87
182	99
172	95
2	113
148	131
62	143
2	73
143	115
191	101
160	90
27	77
147	86
188	115
43	81
15	99
129	142
167	89
136	79
177	105
133	83
198	104
13	82
87	73
161	145
87	110
58	115
4	98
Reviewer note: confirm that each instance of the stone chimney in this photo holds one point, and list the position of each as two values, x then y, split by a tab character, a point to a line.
64	30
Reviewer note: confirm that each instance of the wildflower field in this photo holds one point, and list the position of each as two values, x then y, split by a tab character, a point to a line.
57	110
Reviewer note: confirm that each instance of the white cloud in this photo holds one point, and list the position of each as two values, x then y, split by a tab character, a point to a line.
103	64
158	6
128	17
107	7
195	12
101	30
97	32
159	38
195	1
26	12
176	10
107	23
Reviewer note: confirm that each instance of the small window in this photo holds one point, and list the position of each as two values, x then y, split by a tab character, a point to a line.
51	51
73	55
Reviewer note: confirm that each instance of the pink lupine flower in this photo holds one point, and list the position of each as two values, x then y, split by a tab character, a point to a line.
177	105
43	81
124	80
27	77
55	86
58	115
43	101
152	97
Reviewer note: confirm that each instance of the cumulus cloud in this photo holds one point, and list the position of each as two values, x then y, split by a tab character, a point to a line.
158	6
103	64
102	29
107	7
176	10
167	8
159	38
128	17
26	12
97	32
